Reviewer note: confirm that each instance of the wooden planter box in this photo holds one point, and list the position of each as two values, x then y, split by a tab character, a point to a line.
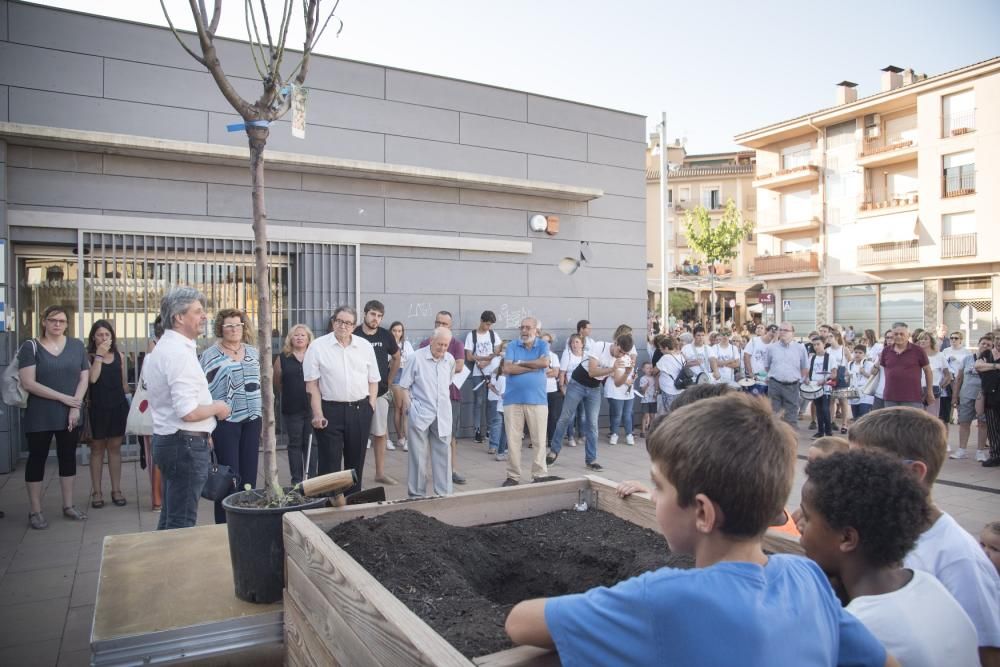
336	613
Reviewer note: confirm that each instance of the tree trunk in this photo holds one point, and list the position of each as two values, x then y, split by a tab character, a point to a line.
262	278
711	278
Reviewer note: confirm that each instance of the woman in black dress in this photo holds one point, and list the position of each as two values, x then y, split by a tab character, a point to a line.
296	414
108	411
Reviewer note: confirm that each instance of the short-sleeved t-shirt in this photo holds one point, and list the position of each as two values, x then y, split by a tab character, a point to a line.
902	373
783	613
485	343
972	384
456	350
526	388
61	373
385	345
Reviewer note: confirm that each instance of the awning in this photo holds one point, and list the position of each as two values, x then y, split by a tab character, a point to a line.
896	228
756	308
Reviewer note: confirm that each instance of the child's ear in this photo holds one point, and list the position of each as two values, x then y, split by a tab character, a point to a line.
919	469
849	540
708	515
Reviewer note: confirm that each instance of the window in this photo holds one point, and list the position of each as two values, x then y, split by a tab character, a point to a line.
958	113
902	302
796	206
685	193
796	156
959	174
953	224
801	311
856	305
670	195
711	197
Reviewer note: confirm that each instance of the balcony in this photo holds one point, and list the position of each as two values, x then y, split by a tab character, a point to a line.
958	245
750	202
892	253
798	167
886	149
792	263
958	182
880	197
957	124
786	227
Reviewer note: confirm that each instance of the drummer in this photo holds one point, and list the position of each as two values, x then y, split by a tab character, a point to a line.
724	359
819	374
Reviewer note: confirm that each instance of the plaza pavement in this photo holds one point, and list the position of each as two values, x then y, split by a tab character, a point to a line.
48	578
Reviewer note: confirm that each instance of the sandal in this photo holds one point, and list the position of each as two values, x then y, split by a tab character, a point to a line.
118	500
97	501
74	514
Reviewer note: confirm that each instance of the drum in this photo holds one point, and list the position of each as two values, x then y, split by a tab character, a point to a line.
850	393
703	378
810	391
759	389
747	385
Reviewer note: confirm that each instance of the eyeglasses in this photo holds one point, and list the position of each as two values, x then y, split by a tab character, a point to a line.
343	323
785	330
955	337
52	321
233	327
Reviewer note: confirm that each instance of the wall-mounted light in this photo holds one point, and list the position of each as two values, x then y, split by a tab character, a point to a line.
544	223
569	265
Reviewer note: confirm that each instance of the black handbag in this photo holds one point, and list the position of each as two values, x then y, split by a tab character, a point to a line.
221	481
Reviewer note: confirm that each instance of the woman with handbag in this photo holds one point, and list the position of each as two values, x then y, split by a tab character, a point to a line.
988	367
232	368
296	415
939	369
107	410
53	370
140	422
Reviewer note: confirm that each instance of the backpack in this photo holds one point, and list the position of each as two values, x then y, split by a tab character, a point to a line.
11	391
685	378
475	339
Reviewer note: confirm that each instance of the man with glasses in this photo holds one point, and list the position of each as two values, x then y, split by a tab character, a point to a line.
787	365
342	377
903	362
456	350
525	400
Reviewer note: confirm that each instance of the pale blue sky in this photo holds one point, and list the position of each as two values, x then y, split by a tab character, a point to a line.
717	67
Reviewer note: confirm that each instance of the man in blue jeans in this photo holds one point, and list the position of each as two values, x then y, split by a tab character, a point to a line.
183	411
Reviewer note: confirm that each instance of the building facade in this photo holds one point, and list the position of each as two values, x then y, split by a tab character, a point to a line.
120	179
708	180
884	208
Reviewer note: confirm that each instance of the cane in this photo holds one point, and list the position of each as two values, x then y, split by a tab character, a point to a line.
309	448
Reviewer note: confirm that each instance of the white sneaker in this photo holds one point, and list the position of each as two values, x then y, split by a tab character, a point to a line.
388	445
629	439
572	442
958	454
613	440
402	443
982	455
369	444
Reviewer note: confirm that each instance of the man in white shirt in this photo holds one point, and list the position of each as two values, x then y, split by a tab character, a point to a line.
756	349
696	353
481	345
342	376
426	397
183	411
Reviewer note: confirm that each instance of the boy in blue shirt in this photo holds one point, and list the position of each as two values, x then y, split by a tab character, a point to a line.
721	469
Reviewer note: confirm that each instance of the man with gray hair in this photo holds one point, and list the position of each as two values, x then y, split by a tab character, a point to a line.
183	411
524	400
787	366
425	396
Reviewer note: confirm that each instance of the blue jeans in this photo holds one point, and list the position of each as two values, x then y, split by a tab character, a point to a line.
860	410
237	445
498	434
183	461
575	424
619	408
823	423
590	398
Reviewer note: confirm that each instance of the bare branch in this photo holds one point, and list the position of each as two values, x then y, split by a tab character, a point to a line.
286	15
311	41
214	67
203	12
251	42
267	31
170	23
216	15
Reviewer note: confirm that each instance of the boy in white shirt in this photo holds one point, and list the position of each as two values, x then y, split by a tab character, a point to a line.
696	355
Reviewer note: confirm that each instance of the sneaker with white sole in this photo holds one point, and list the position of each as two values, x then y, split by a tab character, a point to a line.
629	439
958	455
982	455
369	446
613	440
403	445
571	442
389	446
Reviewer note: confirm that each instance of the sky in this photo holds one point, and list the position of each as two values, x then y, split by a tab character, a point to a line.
717	68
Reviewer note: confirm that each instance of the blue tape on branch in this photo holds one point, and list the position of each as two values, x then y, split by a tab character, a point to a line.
236	127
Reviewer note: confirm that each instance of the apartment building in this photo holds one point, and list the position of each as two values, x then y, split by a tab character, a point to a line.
883	208
708	180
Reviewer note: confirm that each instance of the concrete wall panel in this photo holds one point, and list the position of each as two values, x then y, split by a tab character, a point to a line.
55	160
556	315
45	69
618	207
526	203
90	113
416	310
388	189
4	103
170	86
452	94
613	180
574	116
522	137
618	152
390	251
599	230
321	207
612	312
549	251
444	217
373	274
320	140
56	188
588	282
403	150
374	115
455	277
200	173
345	76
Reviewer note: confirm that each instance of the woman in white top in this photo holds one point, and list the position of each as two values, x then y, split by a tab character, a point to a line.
405	354
939	368
724	358
572	357
669	368
552	393
839	357
620	402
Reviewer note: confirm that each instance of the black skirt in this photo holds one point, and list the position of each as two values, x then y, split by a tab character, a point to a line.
108	422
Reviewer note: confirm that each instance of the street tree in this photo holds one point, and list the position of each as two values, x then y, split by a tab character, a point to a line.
282	74
717	242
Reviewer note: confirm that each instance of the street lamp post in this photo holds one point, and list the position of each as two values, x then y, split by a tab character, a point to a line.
665	227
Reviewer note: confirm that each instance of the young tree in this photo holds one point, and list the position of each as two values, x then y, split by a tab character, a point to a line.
268	53
716	243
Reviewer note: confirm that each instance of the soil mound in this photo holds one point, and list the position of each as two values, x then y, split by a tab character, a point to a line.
463	581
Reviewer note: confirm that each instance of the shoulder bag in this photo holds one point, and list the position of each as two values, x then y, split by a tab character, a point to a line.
221	481
11	390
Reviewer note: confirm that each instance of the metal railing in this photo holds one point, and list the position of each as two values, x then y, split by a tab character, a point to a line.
955	124
897	252
881	196
958	245
793	262
956	184
886	143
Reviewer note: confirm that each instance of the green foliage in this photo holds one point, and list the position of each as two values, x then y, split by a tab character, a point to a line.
680	302
719	242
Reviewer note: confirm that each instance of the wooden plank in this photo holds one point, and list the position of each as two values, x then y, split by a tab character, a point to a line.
308	641
637	508
520	656
393	634
324	622
472	508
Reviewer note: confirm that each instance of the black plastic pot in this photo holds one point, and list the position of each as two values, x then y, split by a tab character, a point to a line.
256	547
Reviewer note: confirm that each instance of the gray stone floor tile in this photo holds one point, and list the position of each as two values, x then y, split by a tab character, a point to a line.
42	556
34	654
36	585
79	658
76	636
84	589
33	622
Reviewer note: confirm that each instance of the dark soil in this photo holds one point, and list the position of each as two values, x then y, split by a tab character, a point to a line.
463	581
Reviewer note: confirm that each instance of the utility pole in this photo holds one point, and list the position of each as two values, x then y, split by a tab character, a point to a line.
666	229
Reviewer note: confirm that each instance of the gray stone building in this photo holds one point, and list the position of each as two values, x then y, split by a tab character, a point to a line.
118	178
